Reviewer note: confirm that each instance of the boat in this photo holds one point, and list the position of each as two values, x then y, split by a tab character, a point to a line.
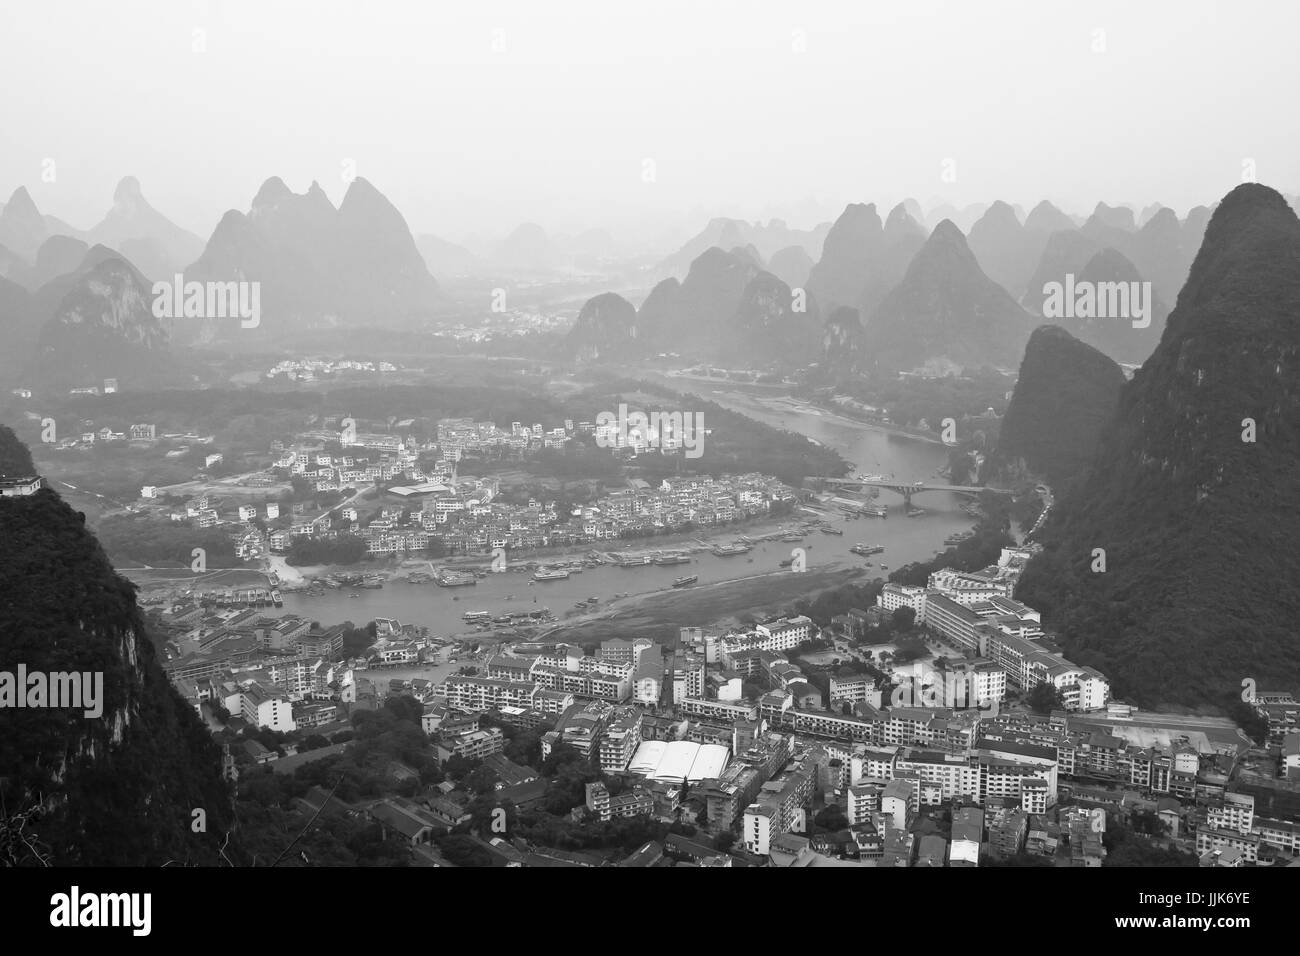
454	579
792	536
477	615
276	599
730	550
686	581
545	574
832	530
787	562
884	567
667	559
915	512
866	549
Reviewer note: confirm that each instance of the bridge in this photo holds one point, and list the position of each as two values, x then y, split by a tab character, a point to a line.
909	488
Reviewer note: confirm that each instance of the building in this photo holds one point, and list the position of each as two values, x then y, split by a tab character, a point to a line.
967	835
779	809
718	710
679	761
854	688
894	596
604	807
1008	832
11	487
471	745
625	651
621	740
1291	756
785	634
955	621
1210	840
1235	812
261	706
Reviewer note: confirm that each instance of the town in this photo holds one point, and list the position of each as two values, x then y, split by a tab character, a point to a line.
776	744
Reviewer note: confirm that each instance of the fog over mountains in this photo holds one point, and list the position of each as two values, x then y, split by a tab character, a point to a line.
859	295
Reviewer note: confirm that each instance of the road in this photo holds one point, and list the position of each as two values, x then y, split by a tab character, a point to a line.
94	494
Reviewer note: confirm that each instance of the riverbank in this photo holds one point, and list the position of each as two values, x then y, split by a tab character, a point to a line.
834	411
692	541
660	614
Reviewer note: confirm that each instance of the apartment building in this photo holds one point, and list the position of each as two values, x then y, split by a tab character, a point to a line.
854	688
784	634
968	588
604	807
261	706
471	744
1210	840
779	807
967	835
477	694
894	596
717	710
622	737
622	651
1235	812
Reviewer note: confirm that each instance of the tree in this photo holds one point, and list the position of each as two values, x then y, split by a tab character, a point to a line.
1044	698
832	818
903	618
482	780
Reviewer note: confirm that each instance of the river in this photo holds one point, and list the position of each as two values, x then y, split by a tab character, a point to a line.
870	450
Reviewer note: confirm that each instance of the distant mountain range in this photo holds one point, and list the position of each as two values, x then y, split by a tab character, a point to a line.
132	227
728	308
973	300
723	233
93	322
318	266
946	313
155	245
103	326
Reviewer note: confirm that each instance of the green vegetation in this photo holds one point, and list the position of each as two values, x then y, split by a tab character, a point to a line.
1194	524
136	539
15	459
344	549
108	801
910	401
1066	394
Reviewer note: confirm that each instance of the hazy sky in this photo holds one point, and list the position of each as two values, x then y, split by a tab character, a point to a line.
475	116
